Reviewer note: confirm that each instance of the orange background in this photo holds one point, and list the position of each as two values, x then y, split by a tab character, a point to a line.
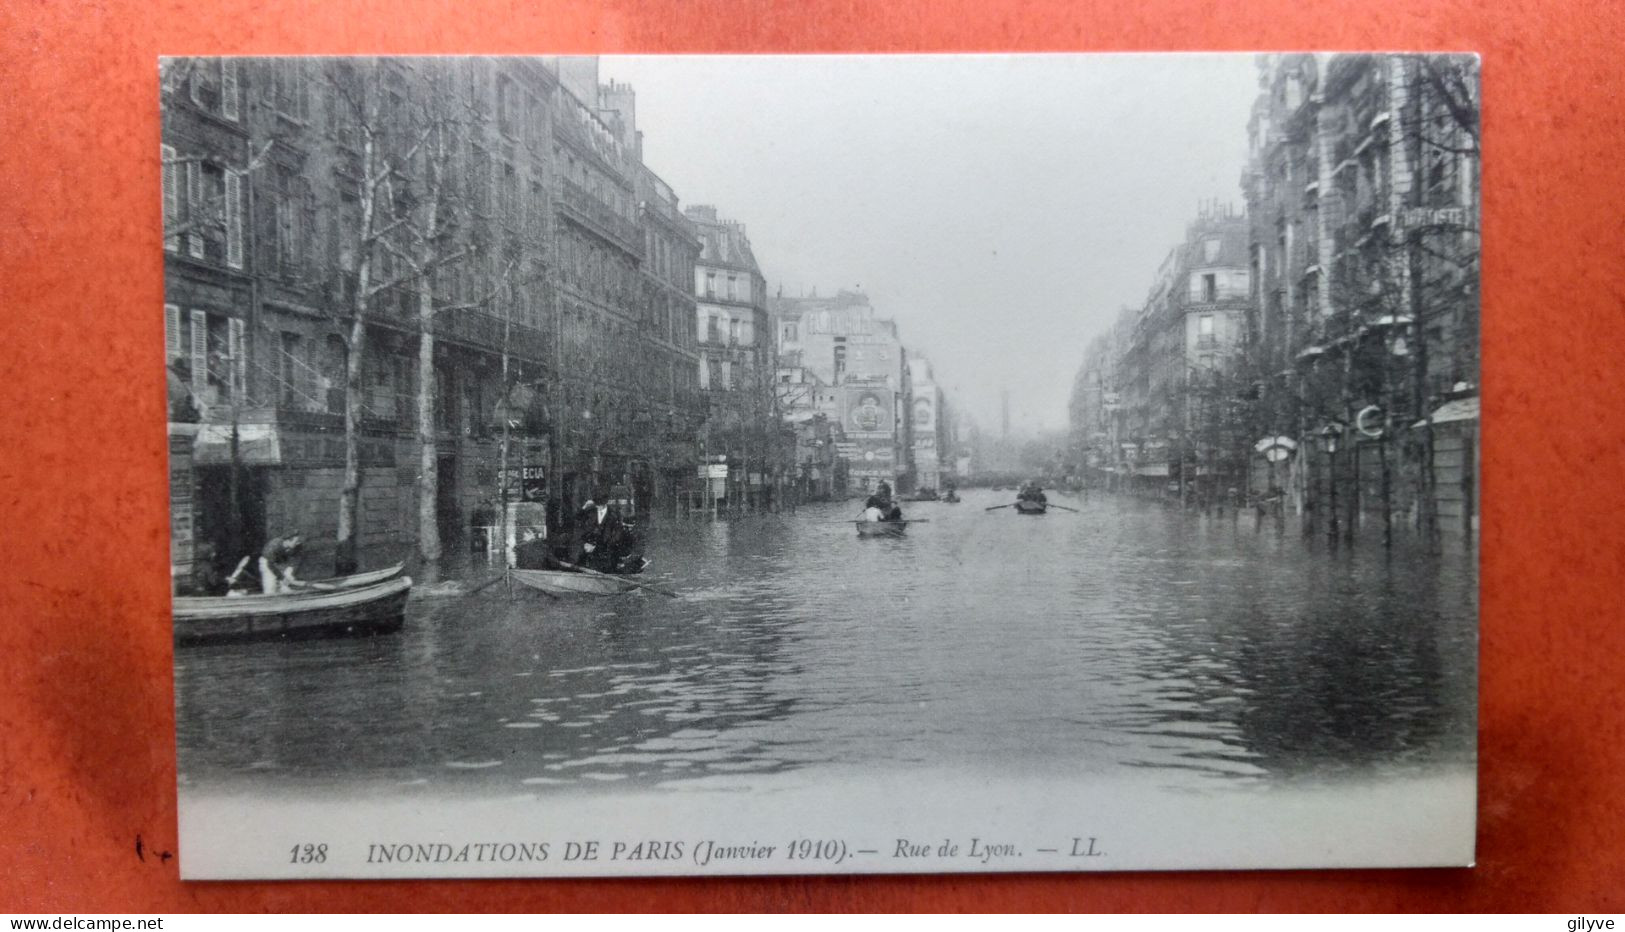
86	723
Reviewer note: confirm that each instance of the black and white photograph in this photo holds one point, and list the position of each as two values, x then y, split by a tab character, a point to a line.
810	464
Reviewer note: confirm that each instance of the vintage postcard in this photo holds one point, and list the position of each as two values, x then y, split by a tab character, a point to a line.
822	464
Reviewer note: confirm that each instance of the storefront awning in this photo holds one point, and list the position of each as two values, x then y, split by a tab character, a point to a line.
257	445
1460	409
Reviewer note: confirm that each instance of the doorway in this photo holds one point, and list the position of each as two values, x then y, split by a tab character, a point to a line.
230	532
448	512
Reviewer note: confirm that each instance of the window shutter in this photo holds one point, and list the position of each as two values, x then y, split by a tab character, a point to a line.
194	210
172	195
239	359
200	355
234	220
172	333
228	89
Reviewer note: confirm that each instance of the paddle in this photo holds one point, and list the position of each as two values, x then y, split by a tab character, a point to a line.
1065	508
889	521
997	507
618	578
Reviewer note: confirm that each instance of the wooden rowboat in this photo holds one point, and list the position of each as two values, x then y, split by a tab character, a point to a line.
881	528
359	579
1031	508
364	609
564	582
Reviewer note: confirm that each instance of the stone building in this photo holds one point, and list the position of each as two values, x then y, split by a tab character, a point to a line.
548	312
860	358
928	427
1363	190
737	364
1155	403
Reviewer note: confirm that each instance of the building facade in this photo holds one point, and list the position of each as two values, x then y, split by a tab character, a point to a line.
737	365
1154	405
535	344
1363	192
861	361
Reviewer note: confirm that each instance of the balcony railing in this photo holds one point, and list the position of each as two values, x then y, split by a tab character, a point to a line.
579	204
485	331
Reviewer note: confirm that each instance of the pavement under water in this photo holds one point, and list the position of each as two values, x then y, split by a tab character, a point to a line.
1126	644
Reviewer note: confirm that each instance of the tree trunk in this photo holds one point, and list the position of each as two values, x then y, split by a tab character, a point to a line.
429	548
346	553
346	556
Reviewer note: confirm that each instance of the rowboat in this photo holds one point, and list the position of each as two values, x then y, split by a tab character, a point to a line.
1031	508
360	579
352	609
881	528
564	582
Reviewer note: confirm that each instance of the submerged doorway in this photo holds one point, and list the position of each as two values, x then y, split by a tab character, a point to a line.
448	511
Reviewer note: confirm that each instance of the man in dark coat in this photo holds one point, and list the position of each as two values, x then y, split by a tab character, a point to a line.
599	534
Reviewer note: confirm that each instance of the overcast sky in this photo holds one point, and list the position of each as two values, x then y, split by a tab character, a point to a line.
1001	208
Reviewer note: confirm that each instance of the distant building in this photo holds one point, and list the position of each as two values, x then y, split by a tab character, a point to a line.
1151	403
928	429
737	361
845	346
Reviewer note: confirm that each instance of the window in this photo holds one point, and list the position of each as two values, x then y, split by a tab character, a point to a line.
228	89
480	181
172	173
840	361
213	224
710	283
508	195
1210	287
1210	249
289	370
218	360
286	89
335	360
205	88
507	106
1204	330
712	330
733	332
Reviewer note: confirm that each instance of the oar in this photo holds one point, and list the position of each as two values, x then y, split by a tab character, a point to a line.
1065	508
618	578
997	507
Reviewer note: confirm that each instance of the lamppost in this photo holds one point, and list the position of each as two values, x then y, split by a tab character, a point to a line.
1329	437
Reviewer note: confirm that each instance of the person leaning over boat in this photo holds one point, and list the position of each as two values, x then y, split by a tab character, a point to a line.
278	561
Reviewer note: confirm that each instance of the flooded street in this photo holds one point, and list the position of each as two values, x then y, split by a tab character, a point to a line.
1127	642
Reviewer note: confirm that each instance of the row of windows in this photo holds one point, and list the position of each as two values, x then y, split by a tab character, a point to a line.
727	286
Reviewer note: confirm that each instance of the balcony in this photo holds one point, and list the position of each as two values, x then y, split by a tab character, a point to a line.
484	331
579	205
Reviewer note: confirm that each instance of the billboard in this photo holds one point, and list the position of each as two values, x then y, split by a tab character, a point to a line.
869	411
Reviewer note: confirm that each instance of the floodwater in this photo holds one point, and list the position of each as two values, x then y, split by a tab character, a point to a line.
1126	642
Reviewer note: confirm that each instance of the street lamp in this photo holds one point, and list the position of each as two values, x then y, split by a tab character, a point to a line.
1329	437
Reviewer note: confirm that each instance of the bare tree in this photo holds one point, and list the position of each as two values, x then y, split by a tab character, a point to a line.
383	150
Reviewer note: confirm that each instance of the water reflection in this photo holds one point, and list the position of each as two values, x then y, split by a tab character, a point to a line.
1128	638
